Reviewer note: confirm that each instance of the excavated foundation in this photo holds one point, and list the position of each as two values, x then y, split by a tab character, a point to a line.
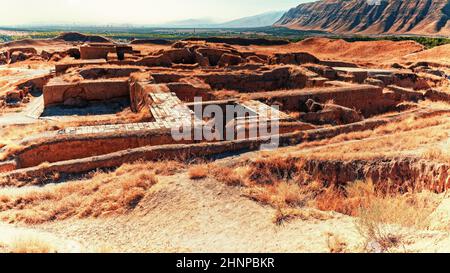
310	98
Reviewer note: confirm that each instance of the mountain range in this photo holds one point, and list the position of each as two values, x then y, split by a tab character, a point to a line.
260	20
422	17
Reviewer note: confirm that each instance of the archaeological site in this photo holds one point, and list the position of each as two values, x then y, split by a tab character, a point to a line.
224	145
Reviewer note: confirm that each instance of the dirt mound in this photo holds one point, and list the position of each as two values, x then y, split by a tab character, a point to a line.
27	43
48	45
78	37
361	52
439	55
151	42
369	50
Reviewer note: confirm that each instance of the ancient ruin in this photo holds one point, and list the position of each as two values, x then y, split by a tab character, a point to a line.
280	123
312	97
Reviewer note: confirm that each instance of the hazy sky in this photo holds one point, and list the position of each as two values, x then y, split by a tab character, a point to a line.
17	12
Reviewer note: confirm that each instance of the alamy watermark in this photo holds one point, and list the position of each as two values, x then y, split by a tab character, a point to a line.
375	2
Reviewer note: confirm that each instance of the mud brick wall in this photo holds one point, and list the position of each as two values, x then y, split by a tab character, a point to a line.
185	150
276	79
69	147
366	98
7	166
170	151
96	52
55	92
62	67
187	92
140	93
108	72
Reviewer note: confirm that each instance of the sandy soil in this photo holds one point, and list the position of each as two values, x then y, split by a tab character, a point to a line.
183	215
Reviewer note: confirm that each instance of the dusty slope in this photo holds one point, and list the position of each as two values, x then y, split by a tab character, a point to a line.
439	55
359	52
79	37
368	17
203	216
39	44
62	42
183	215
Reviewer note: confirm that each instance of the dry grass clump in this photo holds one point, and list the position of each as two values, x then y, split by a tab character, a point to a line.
347	200
17	132
393	130
387	220
163	168
384	212
227	175
390	145
273	169
438	153
103	194
198	172
278	182
283	194
384	219
31	245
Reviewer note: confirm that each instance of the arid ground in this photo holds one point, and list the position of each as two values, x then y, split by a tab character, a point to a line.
88	161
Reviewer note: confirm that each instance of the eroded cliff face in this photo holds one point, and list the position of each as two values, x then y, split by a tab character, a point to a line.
371	16
400	174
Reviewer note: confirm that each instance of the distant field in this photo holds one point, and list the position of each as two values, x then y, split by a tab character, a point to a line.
127	34
130	33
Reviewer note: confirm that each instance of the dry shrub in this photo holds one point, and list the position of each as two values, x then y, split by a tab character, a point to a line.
17	132
438	153
429	125
388	219
164	168
384	218
103	194
270	170
347	200
283	194
231	177
198	172
31	245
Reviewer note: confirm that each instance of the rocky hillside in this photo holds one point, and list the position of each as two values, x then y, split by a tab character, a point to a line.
371	16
